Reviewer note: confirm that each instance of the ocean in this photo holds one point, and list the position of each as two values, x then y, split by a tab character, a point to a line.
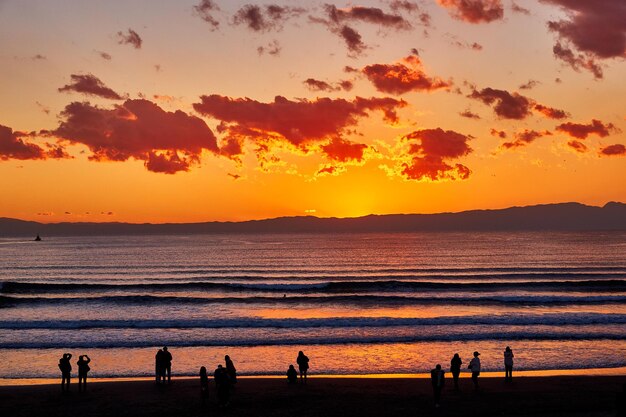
354	303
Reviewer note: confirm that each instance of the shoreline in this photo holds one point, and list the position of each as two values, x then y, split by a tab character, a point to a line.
584	372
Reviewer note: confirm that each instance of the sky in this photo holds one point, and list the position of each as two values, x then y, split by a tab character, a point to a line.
183	111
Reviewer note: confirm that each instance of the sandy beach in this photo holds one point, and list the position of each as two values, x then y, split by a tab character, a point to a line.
526	396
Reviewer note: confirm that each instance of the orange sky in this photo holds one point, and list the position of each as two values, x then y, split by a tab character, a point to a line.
184	125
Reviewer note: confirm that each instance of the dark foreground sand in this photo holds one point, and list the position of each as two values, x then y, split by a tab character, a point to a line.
325	397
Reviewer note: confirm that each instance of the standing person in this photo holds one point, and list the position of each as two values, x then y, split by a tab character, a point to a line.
230	369
437	378
508	364
303	365
204	386
292	375
66	371
83	368
474	365
222	383
455	369
158	365
167	365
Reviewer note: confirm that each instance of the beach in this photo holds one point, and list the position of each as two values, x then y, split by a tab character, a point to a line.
525	396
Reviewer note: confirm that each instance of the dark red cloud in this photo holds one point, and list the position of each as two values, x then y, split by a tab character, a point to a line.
592	30
330	170
582	131
474	11
506	105
265	18
469	115
403	76
352	38
524	138
499	133
272	48
130	38
431	149
343	150
205	9
14	145
577	146
372	15
91	85
104	55
167	142
550	112
412	8
299	121
614	150
320	85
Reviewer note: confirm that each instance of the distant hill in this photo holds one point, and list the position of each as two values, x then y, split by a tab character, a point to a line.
564	216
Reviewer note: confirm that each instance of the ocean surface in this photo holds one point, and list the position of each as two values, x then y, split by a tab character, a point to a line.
354	303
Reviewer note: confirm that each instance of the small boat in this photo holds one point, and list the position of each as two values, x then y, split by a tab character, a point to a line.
38	238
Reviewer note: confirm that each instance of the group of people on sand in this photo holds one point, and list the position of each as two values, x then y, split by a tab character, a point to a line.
65	366
437	375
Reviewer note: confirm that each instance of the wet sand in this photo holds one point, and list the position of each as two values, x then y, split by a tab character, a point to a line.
325	397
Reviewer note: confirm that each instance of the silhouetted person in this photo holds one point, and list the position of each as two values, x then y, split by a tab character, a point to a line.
437	378
455	369
66	371
83	368
303	365
474	365
292	375
508	364
204	386
158	366
222	383
230	369
167	364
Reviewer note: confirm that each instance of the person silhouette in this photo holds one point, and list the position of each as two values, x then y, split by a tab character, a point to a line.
508	364
222	383
474	365
292	375
204	386
455	369
167	365
66	371
230	369
83	368
303	365
437	378
158	366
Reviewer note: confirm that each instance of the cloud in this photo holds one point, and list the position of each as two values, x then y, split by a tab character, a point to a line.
499	133
577	146
91	85
425	155
343	150
582	131
265	18
411	8
299	122
529	85
205	9
320	85
137	129
129	38
592	30
550	112
273	48
506	105
524	138
14	145
613	150
403	76
469	115
474	11
104	55
519	9
38	57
